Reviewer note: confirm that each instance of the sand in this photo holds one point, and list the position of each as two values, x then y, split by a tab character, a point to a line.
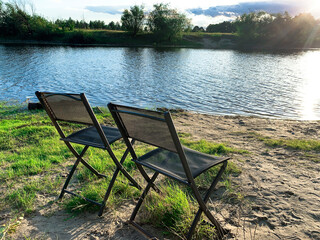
280	188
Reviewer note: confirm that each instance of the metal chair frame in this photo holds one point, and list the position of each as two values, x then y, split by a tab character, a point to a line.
79	156
190	179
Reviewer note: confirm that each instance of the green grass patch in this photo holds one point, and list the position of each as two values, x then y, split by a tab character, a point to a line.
305	145
123	38
169	208
174	209
212	35
95	190
210	147
24	198
232	194
117	38
32	158
294	144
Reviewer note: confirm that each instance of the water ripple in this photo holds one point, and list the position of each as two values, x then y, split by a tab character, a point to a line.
212	81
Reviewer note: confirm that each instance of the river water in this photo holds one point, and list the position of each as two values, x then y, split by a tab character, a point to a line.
269	84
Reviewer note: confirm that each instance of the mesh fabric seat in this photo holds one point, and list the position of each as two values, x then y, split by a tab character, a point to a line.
170	158
90	136
168	163
75	108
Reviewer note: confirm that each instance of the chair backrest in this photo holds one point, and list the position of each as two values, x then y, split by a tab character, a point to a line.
151	127
66	107
73	108
146	126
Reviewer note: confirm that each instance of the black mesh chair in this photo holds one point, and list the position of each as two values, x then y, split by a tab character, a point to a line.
75	108
170	158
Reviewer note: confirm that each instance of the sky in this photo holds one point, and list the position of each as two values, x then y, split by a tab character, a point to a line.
201	12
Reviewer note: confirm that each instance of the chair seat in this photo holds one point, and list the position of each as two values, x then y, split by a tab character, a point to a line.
90	136
169	163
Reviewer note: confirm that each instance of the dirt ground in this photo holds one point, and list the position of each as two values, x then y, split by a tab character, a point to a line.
280	187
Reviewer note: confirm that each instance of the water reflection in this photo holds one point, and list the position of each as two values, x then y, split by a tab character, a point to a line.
281	84
310	103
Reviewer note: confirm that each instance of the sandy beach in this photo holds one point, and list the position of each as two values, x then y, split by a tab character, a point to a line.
278	190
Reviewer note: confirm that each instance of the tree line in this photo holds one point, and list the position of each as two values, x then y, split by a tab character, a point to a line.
278	30
224	27
16	22
271	30
167	24
71	24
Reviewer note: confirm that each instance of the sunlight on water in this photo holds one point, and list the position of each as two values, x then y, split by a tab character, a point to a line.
310	65
268	84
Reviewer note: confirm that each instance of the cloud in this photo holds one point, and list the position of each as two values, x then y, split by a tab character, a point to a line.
113	10
204	21
246	7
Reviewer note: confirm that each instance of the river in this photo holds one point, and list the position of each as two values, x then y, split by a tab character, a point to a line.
268	84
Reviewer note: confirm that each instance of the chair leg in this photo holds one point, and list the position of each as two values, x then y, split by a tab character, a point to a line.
136	209
203	207
75	153
128	176
146	177
75	165
113	179
120	167
144	194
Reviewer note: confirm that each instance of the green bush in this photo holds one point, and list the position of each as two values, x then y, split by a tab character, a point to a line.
80	37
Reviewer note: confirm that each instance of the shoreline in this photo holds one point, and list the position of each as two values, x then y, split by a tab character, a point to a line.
205	45
35	105
62	44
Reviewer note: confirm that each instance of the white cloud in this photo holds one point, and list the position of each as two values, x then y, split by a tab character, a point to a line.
204	21
53	9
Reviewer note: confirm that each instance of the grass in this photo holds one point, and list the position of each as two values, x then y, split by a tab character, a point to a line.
294	144
210	147
174	211
25	196
32	160
304	145
123	38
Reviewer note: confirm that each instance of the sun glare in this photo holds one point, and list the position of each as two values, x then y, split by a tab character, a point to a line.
310	87
314	8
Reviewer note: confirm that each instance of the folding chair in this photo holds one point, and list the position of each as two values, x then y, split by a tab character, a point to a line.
170	158
75	108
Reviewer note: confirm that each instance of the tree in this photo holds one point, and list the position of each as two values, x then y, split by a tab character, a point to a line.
167	24
70	23
198	29
14	20
132	20
112	25
277	30
2	15
66	24
251	27
224	27
42	29
118	26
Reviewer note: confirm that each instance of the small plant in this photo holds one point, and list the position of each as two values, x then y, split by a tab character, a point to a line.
175	210
231	194
10	227
210	147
